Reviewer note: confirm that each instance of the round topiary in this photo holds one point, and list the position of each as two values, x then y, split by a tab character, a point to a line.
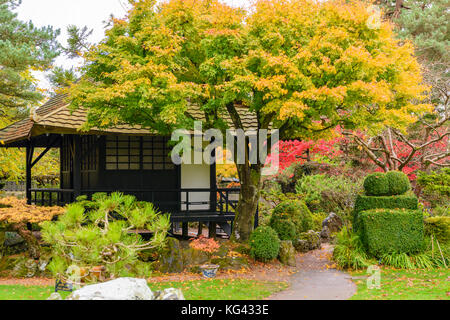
295	211
264	244
285	228
398	182
376	184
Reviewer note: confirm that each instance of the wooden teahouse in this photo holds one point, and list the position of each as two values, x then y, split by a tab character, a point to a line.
124	158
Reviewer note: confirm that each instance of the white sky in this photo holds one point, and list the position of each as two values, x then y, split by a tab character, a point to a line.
90	13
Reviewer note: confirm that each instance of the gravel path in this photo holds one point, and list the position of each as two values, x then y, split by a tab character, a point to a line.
317	279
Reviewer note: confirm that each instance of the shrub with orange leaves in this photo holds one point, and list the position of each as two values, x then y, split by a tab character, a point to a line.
17	211
205	244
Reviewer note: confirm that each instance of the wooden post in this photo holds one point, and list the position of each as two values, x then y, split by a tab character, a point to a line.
185	229
29	157
77	165
212	229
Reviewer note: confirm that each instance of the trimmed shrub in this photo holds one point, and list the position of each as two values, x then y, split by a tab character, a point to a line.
439	227
295	211
363	203
376	184
398	182
386	231
264	244
285	228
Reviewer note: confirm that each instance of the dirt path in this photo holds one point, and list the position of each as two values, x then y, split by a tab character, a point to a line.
317	279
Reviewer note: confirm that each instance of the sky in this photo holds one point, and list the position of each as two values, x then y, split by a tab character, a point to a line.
90	13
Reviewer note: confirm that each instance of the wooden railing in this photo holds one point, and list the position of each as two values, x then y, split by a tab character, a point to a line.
176	201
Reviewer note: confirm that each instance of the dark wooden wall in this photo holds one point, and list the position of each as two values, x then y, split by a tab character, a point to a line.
84	168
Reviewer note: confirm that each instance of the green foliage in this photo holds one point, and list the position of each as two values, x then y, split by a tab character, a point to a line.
318	218
99	233
426	22
23	47
385	231
376	184
349	252
327	193
398	182
435	187
62	78
363	203
285	228
439	227
296	211
264	244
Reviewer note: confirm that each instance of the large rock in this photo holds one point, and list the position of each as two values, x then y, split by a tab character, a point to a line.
308	241
230	263
169	294
333	222
118	289
171	258
55	296
301	245
25	268
287	253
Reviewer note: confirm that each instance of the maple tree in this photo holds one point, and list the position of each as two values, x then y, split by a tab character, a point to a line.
301	66
15	214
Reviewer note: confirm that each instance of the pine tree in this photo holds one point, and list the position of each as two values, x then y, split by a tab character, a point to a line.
23	48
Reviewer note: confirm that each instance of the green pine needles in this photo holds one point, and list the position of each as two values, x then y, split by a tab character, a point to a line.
104	232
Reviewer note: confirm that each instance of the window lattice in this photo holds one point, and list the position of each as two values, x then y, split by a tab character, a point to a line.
137	153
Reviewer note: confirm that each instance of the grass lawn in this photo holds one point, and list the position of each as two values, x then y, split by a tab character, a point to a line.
406	285
216	289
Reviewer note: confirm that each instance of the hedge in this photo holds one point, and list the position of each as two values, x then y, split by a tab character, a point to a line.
363	203
398	182
376	184
403	201
387	231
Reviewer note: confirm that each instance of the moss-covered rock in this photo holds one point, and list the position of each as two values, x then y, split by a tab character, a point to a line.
171	257
312	238
25	268
230	263
287	253
193	257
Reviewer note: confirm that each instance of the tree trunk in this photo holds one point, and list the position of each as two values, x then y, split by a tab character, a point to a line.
34	248
250	177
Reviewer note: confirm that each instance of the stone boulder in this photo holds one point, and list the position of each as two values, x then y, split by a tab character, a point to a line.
332	224
301	245
230	263
55	296
308	241
118	289
171	257
169	294
287	253
25	267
